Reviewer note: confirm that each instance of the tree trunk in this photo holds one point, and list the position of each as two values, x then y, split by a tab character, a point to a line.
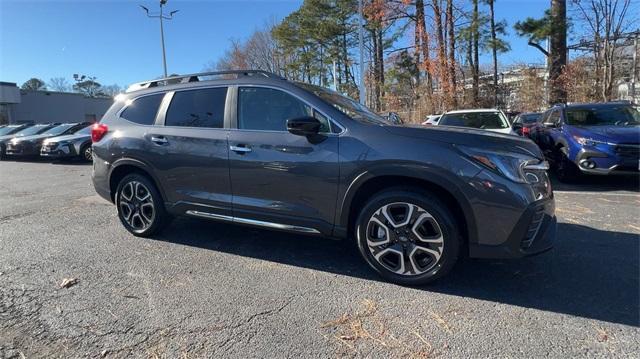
452	52
558	53
443	68
380	66
475	35
423	36
494	50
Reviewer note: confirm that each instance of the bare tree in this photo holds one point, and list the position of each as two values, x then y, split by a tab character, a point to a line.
605	22
59	84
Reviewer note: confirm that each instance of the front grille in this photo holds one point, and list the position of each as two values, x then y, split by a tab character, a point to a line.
628	151
534	227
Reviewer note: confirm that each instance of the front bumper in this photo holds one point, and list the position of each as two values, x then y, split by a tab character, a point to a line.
21	149
535	232
608	164
58	151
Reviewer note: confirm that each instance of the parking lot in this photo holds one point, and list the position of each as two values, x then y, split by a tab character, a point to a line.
204	288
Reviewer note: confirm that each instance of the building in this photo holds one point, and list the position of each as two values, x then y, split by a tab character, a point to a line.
20	106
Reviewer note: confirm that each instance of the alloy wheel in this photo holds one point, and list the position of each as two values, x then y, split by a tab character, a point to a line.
405	239
136	206
88	153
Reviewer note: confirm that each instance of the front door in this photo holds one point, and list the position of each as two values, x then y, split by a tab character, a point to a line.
278	177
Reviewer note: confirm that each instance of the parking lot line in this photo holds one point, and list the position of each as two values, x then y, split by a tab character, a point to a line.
598	193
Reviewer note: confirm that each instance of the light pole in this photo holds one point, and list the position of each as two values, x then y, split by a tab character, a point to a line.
361	45
161	16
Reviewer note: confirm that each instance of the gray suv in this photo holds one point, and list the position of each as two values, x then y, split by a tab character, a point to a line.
252	148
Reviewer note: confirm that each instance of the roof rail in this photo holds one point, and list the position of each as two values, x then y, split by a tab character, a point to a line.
179	79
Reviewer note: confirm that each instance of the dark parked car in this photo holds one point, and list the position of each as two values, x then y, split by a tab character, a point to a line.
592	138
17	131
251	148
31	145
75	145
524	124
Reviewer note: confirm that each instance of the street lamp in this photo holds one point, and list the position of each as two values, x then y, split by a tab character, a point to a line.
161	16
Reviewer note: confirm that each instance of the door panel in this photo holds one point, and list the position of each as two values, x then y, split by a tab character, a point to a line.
193	165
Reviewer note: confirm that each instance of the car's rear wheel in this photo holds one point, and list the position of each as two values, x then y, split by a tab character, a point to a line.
86	153
140	206
408	236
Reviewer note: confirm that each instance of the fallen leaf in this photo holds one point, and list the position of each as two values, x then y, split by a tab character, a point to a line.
347	337
68	282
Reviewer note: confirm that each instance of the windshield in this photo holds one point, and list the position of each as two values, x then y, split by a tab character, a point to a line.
346	105
34	130
603	116
84	131
58	130
7	130
529	118
484	120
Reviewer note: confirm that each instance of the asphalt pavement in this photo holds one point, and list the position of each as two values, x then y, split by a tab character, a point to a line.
205	289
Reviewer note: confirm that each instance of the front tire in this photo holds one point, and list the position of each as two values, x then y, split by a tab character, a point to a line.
86	153
140	206
566	170
408	236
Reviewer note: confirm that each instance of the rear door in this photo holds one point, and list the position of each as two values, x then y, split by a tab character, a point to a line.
189	150
278	177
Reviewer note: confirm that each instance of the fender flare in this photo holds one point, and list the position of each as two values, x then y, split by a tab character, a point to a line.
128	161
411	171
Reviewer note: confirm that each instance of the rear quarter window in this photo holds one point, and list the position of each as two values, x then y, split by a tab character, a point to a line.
197	108
143	110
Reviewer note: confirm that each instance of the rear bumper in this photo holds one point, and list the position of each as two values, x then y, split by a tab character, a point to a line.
535	232
100	178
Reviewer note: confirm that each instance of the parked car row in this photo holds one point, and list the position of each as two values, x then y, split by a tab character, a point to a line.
590	138
53	140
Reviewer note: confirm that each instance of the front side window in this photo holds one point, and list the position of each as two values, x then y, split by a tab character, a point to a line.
143	110
197	108
269	109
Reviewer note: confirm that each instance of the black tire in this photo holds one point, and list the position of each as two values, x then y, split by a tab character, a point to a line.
129	187
437	267
566	170
83	153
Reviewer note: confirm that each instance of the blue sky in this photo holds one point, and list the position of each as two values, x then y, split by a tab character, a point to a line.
114	41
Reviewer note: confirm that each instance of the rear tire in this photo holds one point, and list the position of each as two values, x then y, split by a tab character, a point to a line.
140	206
408	236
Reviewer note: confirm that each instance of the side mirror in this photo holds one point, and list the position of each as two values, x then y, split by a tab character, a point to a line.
304	126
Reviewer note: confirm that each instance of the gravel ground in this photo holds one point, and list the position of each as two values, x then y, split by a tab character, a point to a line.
207	289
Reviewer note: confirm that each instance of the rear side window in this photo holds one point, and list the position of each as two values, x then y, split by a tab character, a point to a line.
197	108
143	110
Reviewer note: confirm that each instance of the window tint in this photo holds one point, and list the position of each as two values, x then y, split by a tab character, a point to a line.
143	110
197	108
269	109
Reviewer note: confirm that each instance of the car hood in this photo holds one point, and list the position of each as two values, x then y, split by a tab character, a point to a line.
469	137
612	134
71	137
32	138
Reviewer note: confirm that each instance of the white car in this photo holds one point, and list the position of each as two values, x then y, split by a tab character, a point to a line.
486	119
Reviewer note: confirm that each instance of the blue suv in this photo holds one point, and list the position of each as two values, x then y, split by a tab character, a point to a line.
592	138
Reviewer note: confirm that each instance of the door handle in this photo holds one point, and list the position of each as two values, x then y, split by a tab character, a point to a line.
159	140
240	149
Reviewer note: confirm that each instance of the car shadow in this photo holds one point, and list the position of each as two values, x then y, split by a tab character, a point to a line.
590	273
598	184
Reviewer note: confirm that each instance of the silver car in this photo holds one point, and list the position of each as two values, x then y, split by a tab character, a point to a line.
76	145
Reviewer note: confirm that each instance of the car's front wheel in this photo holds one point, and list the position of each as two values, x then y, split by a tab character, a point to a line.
140	206
86	152
408	236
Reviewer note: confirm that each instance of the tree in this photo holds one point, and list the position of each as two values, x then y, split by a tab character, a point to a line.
497	46
111	90
87	85
558	50
536	30
59	84
34	84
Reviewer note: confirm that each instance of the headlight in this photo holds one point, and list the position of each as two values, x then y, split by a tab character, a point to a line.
517	167
588	142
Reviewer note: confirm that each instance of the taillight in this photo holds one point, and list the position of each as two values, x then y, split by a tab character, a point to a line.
98	131
526	131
